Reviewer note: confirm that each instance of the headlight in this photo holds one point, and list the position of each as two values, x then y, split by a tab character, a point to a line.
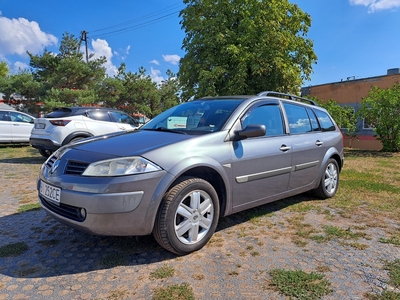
121	166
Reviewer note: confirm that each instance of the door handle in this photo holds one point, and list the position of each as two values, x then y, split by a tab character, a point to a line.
284	148
318	143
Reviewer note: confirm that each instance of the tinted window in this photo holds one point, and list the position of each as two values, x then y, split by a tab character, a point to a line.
267	115
299	121
99	115
59	113
325	121
121	117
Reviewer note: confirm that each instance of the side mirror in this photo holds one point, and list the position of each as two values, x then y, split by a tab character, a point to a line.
251	130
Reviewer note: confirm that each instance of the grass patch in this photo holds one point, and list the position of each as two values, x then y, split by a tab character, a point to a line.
164	272
15	249
394	239
181	291
300	284
394	272
29	207
332	232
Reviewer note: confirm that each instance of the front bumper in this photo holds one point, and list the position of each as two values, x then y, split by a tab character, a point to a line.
119	206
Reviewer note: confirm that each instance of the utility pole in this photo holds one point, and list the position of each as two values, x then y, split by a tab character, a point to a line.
84	38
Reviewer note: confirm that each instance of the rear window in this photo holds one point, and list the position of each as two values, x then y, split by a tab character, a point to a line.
59	113
325	121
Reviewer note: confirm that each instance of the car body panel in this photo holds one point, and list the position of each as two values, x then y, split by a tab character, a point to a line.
245	171
15	126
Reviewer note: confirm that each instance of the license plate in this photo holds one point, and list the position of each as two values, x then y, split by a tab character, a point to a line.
40	126
50	192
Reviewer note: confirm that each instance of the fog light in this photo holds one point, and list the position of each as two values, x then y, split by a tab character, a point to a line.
83	213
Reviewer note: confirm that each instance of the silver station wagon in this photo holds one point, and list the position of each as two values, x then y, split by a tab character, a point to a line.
192	164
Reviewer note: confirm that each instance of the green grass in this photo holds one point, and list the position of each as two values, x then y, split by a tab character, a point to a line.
164	272
14	249
394	272
29	207
299	284
394	239
181	291
332	232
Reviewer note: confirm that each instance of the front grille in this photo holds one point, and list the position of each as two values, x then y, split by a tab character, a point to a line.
75	167
67	211
51	161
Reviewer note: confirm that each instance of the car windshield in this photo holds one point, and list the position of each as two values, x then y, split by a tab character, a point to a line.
195	117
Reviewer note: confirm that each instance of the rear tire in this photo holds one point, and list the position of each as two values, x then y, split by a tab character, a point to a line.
45	153
329	181
187	217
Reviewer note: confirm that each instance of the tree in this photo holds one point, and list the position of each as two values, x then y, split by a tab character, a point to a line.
137	93
3	69
381	109
66	79
244	47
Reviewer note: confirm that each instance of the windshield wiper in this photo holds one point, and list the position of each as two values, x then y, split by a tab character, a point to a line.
165	130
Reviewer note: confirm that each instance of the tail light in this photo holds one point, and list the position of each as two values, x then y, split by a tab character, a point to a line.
60	122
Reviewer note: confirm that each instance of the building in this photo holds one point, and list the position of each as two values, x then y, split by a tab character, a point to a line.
350	92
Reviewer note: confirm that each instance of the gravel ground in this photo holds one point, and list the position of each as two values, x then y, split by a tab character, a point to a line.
62	263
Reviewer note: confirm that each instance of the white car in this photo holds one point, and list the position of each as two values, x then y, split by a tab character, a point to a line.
69	124
15	126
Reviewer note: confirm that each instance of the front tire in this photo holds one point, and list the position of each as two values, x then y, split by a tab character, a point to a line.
329	181
188	216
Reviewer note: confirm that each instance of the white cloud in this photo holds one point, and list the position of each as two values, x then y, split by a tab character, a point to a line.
173	59
20	35
376	5
155	75
101	48
18	65
156	62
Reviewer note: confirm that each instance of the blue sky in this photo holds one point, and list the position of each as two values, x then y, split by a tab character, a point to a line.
352	38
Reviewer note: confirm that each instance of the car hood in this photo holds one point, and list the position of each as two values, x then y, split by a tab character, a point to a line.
130	143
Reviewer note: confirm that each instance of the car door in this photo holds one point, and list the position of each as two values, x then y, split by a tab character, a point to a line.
307	145
261	166
5	127
22	125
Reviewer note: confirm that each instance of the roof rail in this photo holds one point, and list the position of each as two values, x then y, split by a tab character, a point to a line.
287	96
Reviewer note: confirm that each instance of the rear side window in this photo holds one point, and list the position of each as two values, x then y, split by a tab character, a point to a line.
99	115
325	121
299	122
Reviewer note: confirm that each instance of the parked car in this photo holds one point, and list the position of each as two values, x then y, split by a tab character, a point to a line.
15	126
192	164
69	124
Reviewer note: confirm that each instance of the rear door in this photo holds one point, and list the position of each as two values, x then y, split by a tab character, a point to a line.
21	127
307	145
261	166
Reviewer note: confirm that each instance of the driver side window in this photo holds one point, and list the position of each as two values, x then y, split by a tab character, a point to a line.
268	115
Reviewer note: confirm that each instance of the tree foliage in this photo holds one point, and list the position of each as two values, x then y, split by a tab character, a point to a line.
3	69
65	79
244	47
381	109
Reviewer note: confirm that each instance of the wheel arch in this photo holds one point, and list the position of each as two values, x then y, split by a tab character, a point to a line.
76	134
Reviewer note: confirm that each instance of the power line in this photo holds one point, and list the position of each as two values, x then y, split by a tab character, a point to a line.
139	22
